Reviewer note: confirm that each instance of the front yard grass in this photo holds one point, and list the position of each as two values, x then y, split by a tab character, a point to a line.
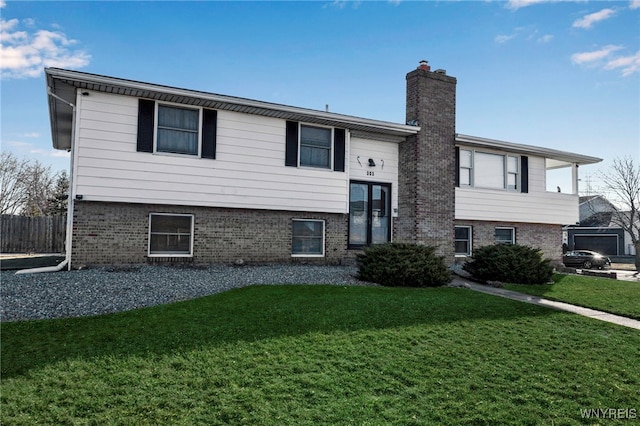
307	355
604	294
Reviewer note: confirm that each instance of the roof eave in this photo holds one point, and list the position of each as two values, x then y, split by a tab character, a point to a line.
210	100
554	154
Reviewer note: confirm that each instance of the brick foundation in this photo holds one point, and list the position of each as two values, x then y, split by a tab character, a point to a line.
118	233
547	238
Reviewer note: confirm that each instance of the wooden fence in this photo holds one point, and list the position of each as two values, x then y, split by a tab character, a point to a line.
26	234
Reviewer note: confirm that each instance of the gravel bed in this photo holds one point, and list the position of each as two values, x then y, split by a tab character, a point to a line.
115	289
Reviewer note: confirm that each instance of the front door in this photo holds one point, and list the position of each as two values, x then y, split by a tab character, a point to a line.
369	213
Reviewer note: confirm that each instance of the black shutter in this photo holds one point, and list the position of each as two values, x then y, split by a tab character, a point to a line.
291	152
457	166
524	174
339	137
146	114
209	128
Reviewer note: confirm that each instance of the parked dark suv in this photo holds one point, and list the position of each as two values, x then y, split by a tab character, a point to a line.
585	259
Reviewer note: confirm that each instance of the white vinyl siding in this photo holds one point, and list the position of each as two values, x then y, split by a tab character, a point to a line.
385	155
536	206
249	171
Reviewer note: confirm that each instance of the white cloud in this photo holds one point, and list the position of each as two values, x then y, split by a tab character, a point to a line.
500	39
31	135
18	144
604	58
50	152
2	4
587	21
596	55
528	33
634	4
629	64
545	38
517	4
24	54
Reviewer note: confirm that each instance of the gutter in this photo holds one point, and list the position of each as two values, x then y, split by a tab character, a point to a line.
67	261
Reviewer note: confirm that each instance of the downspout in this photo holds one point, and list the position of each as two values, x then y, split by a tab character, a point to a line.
67	261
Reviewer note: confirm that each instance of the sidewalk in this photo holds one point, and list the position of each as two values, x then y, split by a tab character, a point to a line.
535	300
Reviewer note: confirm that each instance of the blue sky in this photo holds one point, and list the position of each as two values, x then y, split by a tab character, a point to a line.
558	74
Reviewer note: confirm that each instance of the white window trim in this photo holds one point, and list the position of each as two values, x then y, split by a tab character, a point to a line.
513	234
470	228
155	130
505	171
168	254
331	151
470	168
324	228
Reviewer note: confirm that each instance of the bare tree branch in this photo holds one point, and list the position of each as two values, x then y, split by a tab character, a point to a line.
26	186
623	182
14	177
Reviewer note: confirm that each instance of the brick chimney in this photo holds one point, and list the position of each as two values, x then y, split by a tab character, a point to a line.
426	193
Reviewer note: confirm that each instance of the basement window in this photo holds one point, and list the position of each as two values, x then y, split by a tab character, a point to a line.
307	238
170	235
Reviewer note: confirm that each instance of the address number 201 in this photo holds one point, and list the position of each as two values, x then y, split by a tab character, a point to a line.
370	173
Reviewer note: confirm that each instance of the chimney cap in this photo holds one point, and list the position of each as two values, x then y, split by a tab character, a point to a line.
424	65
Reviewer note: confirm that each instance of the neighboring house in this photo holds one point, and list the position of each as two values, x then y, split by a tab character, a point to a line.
162	174
598	230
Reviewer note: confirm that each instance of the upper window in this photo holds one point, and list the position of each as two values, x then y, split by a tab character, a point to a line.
170	234
315	147
307	237
174	129
466	167
488	170
178	130
463	241
505	236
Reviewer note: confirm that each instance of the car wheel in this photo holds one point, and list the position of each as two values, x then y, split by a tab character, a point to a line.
587	264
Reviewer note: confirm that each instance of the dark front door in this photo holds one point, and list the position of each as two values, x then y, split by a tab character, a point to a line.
369	213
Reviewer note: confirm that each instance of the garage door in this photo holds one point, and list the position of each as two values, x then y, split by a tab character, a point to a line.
604	244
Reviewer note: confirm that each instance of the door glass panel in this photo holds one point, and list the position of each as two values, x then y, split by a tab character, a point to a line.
379	214
358	208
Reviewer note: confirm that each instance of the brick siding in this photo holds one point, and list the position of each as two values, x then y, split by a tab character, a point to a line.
118	233
547	238
426	180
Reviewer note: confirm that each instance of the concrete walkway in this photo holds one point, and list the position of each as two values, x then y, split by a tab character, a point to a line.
561	306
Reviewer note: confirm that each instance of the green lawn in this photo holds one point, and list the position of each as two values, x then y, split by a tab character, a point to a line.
604	294
311	355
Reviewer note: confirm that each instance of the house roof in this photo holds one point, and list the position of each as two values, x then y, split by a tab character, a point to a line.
62	85
561	157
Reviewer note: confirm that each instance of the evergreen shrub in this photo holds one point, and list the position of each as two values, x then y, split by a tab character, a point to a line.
403	265
510	263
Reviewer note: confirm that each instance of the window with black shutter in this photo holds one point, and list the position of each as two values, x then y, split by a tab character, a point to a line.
172	129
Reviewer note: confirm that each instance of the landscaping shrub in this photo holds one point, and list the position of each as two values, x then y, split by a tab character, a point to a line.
403	265
510	263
